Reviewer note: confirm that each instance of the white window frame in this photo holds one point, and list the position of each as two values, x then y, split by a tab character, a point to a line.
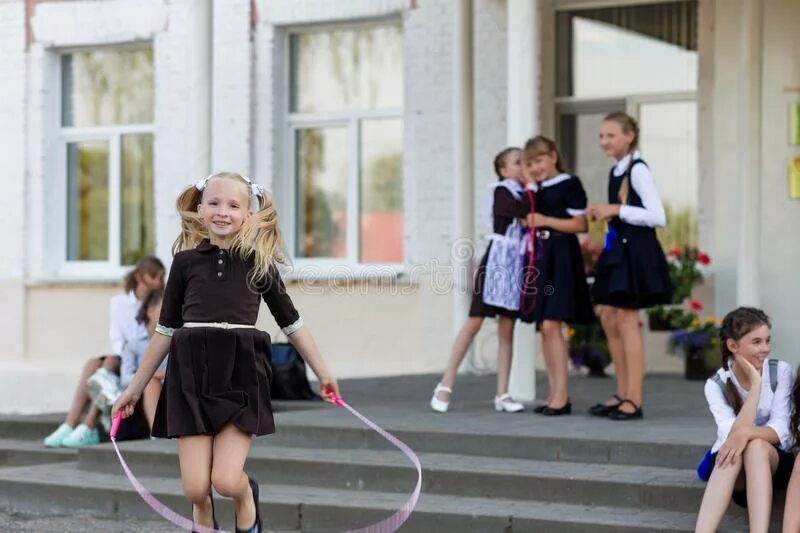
112	267
351	120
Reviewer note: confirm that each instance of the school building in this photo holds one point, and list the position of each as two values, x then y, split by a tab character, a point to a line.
374	124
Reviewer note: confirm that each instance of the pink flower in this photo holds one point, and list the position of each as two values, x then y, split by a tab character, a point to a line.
695	305
675	252
703	259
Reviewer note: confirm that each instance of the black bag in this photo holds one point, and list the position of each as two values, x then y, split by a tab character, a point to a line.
289	379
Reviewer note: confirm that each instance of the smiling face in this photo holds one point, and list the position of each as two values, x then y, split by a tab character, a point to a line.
224	208
543	166
613	140
754	346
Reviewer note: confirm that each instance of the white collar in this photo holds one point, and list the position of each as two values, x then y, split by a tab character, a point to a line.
549	182
512	185
622	165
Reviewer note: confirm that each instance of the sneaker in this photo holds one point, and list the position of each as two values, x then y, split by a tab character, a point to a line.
103	388
56	438
82	436
506	404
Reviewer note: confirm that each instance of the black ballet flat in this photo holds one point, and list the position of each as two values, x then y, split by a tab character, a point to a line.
539	408
565	410
616	414
213	513
256	527
603	410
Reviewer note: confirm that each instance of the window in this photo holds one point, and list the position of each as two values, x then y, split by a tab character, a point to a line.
640	59
106	141
346	137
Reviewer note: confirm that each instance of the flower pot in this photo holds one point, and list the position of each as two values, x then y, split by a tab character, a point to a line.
590	357
695	364
658	323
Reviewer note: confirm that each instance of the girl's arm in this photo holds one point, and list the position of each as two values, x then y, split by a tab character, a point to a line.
307	348
564	225
507	206
156	351
651	214
283	311
743	430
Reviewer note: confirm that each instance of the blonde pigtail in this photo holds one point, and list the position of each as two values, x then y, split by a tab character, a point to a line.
192	229
260	239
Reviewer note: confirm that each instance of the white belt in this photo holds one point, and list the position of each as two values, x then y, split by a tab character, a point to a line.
221	325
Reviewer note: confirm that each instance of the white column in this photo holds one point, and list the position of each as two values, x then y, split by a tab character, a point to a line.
749	215
463	182
232	59
523	122
12	153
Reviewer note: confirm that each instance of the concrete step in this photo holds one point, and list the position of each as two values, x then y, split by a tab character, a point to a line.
353	436
15	452
544	448
384	471
65	487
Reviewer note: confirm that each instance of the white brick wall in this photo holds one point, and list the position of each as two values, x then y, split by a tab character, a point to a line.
183	110
231	108
428	139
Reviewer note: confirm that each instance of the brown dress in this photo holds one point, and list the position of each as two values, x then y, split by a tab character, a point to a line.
218	376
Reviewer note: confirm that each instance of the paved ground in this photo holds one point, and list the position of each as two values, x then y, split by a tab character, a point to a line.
675	409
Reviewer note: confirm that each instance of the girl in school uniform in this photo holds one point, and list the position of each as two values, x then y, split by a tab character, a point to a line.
216	394
559	292
749	398
631	273
497	282
101	374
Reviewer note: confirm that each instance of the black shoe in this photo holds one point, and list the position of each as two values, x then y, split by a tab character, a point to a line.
616	414
256	527
213	513
539	408
603	410
551	411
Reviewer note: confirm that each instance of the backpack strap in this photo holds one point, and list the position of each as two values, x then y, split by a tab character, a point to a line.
773	374
772	368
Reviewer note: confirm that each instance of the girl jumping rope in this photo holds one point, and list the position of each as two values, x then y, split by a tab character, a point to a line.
216	394
497	283
750	400
559	290
631	273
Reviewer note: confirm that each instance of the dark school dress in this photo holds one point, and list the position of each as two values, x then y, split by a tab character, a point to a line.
632	271
218	376
505	208
559	290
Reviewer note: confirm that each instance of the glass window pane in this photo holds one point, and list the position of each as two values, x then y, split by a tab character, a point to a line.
627	50
381	187
87	201
321	170
107	86
669	145
137	218
360	68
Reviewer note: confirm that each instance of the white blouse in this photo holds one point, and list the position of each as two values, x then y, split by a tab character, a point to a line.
652	213
774	409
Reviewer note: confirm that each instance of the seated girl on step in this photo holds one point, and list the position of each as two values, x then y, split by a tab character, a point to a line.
749	398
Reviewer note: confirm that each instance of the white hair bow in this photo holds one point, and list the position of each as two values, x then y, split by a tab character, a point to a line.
255	188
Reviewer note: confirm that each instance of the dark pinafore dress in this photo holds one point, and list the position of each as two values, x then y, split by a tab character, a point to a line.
218	375
632	271
559	291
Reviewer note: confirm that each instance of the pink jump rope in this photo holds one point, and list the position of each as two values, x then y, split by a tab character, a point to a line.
388	525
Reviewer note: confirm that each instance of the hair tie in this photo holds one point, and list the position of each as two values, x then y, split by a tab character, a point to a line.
201	185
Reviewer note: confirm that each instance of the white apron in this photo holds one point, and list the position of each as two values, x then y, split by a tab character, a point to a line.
502	285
